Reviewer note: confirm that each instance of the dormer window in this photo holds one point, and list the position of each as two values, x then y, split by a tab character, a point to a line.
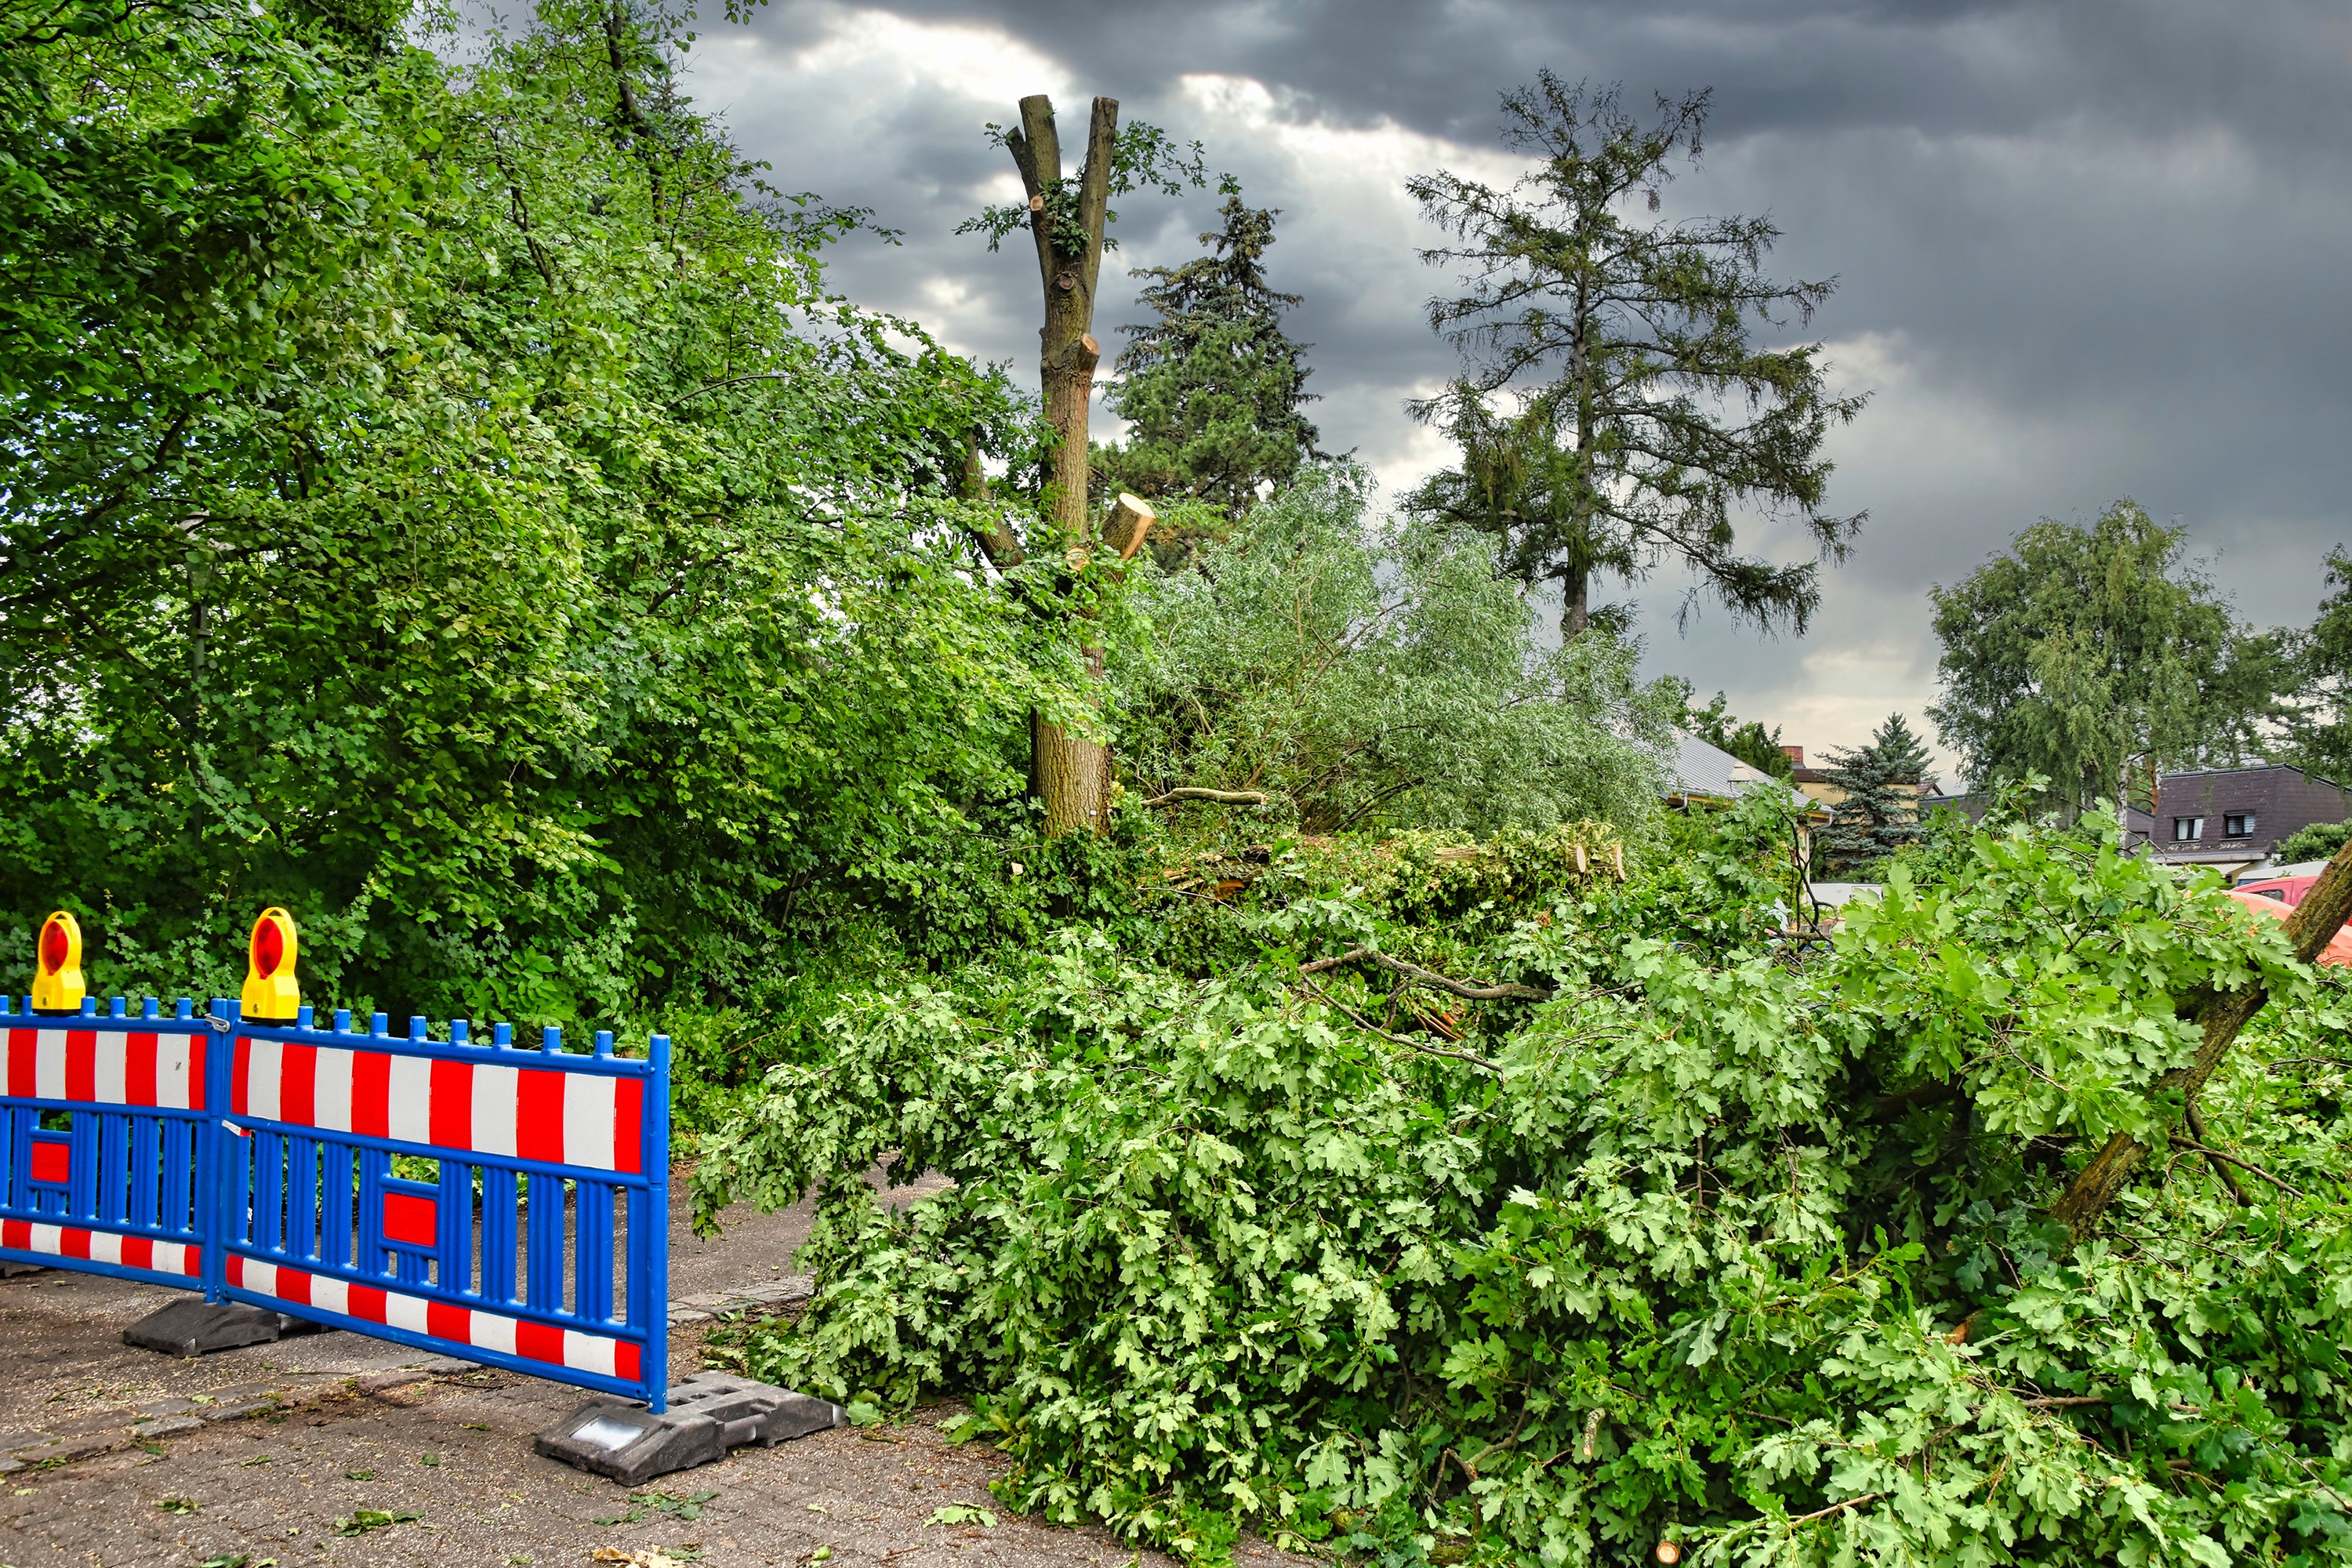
2187	829
2236	824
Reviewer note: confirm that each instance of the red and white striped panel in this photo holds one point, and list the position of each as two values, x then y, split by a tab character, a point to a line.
103	1246
587	1118
105	1067
458	1326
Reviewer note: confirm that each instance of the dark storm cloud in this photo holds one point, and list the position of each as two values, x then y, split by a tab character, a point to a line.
2085	250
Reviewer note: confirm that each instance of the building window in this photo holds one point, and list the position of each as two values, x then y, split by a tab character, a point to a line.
2187	829
2237	823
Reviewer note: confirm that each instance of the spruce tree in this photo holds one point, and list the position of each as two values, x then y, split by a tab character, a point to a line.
1211	388
1880	813
1614	413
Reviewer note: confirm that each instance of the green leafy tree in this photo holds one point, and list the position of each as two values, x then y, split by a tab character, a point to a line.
1732	1243
2317	841
1616	413
2099	655
1880	813
448	503
2317	723
1368	675
1212	389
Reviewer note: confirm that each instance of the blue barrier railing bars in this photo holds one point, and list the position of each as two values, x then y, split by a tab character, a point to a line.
262	1163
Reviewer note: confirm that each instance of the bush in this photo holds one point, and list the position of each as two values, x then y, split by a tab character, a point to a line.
2317	841
1368	674
1729	1243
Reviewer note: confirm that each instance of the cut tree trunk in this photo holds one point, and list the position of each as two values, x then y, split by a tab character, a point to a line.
1069	773
2220	1016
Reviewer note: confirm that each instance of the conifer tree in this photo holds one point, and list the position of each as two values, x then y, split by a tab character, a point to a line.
1614	413
1880	813
1212	389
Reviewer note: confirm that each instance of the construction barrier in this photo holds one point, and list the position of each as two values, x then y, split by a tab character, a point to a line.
501	1203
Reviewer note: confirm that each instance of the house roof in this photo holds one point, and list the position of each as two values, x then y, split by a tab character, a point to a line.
1705	772
2280	799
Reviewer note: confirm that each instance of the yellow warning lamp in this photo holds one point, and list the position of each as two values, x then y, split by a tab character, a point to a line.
58	984
270	989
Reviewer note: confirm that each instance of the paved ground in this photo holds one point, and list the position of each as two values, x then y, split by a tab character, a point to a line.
291	1453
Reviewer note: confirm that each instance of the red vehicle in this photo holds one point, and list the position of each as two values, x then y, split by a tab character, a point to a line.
2288	891
2275	904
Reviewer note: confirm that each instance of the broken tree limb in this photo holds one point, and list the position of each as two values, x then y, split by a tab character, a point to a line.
2220	1015
995	534
1505	991
2244	1166
1129	525
1472	1058
1216	796
2196	1120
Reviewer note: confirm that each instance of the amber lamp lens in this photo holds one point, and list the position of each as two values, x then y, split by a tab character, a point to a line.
54	942
269	948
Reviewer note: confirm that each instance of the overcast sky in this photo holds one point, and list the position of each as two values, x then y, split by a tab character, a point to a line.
2082	251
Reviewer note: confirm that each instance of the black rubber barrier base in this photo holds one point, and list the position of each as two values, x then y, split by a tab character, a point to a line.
191	1327
708	1413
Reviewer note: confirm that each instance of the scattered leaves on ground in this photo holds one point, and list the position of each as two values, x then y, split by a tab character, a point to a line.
363	1519
641	1504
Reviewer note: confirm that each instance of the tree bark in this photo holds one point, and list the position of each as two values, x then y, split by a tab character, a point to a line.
1069	773
1576	606
2220	1015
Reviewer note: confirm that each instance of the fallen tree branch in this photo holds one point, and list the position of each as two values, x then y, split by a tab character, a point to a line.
1834	1508
2243	1165
1429	977
1365	1025
2196	1120
2311	926
1217	796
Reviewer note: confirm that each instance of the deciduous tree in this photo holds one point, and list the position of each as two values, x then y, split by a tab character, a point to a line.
2099	655
2316	720
428	506
1365	675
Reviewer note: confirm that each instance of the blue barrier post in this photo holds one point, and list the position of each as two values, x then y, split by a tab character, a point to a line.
211	1156
657	1224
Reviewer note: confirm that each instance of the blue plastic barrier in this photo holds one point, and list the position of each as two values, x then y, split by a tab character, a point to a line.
262	1163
